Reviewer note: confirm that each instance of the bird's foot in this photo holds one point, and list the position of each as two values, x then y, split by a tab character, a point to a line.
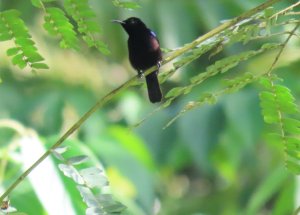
141	74
158	64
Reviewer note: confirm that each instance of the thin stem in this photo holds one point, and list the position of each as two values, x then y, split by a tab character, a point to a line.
285	10
292	33
3	164
118	90
99	104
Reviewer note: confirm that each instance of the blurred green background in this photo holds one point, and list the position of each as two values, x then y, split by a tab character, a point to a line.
213	160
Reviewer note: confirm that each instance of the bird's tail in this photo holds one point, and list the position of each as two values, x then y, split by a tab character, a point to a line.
154	91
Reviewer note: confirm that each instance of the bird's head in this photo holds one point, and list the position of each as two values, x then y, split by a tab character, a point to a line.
132	25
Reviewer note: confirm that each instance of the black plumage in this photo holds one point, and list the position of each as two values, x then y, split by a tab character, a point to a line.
144	52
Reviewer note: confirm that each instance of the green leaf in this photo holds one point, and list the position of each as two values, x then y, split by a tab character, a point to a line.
174	92
17	59
71	172
10	14
293	166
109	204
58	156
35	57
88	196
114	208
20	32
22	64
5	36
267	96
24	42
39	66
265	82
77	160
28	50
57	152
105	199
12	51
292	125
61	149
94	177
37	3
293	142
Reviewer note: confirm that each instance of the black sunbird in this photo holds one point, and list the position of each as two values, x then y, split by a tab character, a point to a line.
144	52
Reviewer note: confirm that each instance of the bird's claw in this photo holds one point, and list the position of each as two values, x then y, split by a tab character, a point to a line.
141	74
158	64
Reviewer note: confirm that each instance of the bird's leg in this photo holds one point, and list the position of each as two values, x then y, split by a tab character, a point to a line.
158	65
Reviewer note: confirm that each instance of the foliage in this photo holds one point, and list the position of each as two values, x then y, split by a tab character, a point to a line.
87	180
278	104
24	51
87	26
57	24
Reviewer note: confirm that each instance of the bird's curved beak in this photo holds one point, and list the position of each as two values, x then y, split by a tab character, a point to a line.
118	21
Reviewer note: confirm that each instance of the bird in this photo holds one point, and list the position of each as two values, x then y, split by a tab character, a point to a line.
144	52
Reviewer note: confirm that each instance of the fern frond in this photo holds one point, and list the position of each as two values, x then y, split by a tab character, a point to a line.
197	52
24	53
57	24
233	85
220	66
89	180
84	16
277	105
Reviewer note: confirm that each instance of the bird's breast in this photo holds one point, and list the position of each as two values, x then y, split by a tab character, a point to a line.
144	52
